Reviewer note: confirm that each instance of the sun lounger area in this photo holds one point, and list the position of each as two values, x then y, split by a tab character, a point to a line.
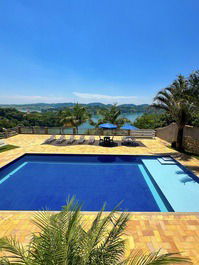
106	141
73	139
128	140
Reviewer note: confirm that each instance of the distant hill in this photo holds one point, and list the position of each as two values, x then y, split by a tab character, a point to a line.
40	107
36	106
96	104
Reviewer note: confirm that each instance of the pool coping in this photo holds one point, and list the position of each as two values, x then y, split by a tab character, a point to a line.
107	212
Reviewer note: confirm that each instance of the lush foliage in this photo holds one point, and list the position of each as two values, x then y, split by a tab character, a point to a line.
74	116
194	88
10	118
51	115
194	119
152	121
64	240
179	102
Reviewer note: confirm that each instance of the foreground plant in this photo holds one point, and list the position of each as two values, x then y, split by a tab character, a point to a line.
64	240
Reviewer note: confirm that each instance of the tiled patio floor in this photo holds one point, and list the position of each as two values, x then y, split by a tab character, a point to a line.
33	144
171	232
148	231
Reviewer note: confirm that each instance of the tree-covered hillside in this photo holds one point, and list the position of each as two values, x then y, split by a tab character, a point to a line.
10	117
49	115
92	107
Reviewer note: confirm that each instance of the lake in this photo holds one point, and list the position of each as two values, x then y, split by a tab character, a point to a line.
85	126
131	116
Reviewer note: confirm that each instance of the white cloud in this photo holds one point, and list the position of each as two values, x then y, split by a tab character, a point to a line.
88	97
77	97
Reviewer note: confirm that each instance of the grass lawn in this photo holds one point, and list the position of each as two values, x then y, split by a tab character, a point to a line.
7	147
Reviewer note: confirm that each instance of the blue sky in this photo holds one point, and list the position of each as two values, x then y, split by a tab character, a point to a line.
90	51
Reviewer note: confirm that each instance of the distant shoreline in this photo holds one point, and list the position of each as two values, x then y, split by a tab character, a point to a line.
92	107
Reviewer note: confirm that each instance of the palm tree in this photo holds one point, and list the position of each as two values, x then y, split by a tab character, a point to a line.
194	88
75	116
64	240
175	101
111	115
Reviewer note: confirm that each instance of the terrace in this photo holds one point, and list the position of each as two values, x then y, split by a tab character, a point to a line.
173	232
32	143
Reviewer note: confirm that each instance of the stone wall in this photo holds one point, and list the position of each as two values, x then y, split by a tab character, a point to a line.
191	139
190	136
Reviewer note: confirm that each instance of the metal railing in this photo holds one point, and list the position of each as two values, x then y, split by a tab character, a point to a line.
67	131
84	131
146	133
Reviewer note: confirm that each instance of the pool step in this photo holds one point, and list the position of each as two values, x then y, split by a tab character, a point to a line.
166	161
180	189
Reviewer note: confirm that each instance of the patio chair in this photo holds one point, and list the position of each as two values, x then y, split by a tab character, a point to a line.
50	140
91	140
128	140
61	139
2	143
81	139
70	140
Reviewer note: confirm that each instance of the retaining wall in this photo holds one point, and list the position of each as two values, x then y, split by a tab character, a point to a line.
190	136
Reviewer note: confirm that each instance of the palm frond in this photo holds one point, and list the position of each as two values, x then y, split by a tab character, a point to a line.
17	251
155	258
5	261
160	106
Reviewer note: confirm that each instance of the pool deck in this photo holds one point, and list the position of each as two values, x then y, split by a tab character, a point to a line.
172	232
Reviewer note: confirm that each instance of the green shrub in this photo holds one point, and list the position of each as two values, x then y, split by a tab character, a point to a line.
152	121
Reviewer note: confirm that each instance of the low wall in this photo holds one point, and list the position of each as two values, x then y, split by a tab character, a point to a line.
167	133
190	136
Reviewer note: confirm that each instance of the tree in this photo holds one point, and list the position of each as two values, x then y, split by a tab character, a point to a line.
194	88
175	101
195	119
75	116
63	240
111	115
152	121
10	117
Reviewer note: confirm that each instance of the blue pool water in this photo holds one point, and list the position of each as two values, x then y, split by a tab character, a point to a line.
36	182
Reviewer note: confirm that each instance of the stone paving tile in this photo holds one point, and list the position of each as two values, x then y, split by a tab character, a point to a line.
172	232
149	232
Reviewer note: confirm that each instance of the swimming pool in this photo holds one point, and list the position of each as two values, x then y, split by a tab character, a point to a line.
140	183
